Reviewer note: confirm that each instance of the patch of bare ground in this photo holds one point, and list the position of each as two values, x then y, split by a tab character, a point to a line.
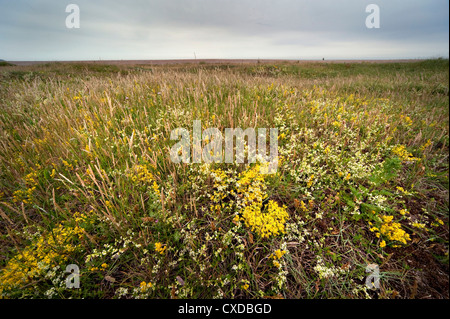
428	278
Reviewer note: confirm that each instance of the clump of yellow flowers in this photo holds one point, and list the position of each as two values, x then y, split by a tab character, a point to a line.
26	196
141	174
277	254
391	231
403	154
160	248
245	284
266	221
48	251
145	286
221	185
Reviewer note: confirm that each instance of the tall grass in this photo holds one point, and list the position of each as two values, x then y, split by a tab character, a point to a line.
86	179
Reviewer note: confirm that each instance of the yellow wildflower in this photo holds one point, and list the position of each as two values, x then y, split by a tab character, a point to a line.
46	252
265	223
418	225
403	212
403	154
155	188
160	248
310	181
277	254
393	231
145	286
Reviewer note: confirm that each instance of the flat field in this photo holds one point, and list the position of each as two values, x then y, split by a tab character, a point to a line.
86	179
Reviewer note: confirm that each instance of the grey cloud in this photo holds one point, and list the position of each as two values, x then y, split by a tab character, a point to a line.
160	29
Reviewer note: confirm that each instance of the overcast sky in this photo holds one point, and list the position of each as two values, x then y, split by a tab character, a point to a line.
185	29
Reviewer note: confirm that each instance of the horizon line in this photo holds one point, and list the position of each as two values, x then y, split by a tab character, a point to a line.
218	60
